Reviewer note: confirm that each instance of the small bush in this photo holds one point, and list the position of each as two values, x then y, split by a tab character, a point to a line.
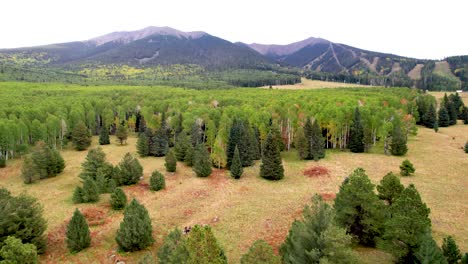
118	199
14	251
157	181
406	168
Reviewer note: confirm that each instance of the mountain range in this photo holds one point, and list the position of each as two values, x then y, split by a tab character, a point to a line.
312	57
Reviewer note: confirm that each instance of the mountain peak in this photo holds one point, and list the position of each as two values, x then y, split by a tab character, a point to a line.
129	36
281	50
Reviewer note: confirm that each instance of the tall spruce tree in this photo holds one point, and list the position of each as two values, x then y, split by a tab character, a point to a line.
398	146
104	135
407	223
203	247
189	155
450	250
135	232
428	252
202	161
358	209
272	165
78	235
181	145
170	161
143	145
161	143
308	131
390	188
81	137
356	137
453	113
317	142
316	238
95	159
236	166
240	136
122	133
444	118
300	143
429	117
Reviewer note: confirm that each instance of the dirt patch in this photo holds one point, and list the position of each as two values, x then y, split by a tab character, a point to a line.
327	196
95	216
316	171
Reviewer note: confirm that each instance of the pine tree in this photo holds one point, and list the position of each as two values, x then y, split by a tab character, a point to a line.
308	131
181	145
157	181
94	160
358	209
43	162
255	144
143	145
272	166
451	250
197	134
202	161
118	199
317	142
236	166
260	253
105	178
407	224
464	259
356	137
301	143
453	113
189	155
173	250
316	238
129	171
429	117
2	162
444	118
14	251
170	161
398	146
78	235
147	259
161	143
81	137
465	116
240	136
406	168
90	191
104	135
121	133
390	188
466	147
203	247
429	252
135	232
78	195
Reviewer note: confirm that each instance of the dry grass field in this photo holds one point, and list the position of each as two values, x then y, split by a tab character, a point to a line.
440	95
242	211
307	84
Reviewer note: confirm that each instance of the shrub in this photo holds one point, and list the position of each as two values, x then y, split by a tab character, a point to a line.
170	161
135	232
81	137
78	235
157	181
118	199
14	251
260	253
406	168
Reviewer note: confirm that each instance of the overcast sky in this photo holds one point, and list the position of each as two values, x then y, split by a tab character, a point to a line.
431	29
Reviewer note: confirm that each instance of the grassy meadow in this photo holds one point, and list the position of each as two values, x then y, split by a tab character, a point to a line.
242	211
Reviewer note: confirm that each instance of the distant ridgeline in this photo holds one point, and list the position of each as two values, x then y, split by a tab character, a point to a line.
165	56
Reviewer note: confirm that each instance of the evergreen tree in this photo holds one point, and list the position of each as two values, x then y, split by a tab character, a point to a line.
316	238
22	217
301	143
157	181
202	161
260	253
173	249
29	171
308	132
170	161
121	133
466	147
189	155
161	143
135	232
236	166
464	259
203	248
451	250
15	252
465	116
143	145
406	225
406	168
255	144
118	199
141	124
317	142
78	235
240	136
453	113
356	137
94	160
43	162
104	135
81	137
129	171
429	117
77	195
181	145
105	178
150	135
444	118
358	209
147	259
197	134
90	191
429	252
2	162
390	188
398	146
272	166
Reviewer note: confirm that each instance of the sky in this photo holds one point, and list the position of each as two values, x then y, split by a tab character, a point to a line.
430	29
